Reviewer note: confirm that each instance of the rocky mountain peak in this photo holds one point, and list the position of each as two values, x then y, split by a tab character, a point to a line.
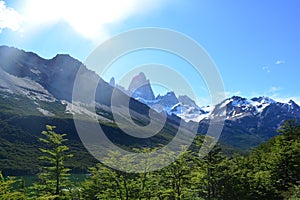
263	99
168	99
112	82
293	103
184	99
140	87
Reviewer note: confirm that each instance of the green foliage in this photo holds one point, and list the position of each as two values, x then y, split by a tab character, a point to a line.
107	183
7	190
175	179
53	179
271	171
19	147
20	126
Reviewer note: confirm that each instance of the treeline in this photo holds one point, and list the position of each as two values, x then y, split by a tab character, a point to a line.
271	171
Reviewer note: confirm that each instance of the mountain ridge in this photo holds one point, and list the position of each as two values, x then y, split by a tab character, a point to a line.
255	119
49	83
188	110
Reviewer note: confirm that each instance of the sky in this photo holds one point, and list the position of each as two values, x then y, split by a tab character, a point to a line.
254	44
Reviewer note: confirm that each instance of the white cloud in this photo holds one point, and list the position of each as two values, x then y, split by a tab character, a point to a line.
266	68
9	18
274	89
279	62
89	18
272	92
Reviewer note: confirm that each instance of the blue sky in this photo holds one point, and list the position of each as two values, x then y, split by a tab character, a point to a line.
255	44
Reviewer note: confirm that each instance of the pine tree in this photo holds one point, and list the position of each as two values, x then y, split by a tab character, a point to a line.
53	179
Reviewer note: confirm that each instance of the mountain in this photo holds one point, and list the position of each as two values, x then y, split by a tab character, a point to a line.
140	87
35	91
182	107
166	102
188	110
248	122
238	108
26	73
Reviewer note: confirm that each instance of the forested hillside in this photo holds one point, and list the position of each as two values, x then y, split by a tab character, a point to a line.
271	171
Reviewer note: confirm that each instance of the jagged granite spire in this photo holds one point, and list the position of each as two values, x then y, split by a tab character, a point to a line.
140	87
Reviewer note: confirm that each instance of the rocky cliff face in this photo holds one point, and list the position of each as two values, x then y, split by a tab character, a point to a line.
140	87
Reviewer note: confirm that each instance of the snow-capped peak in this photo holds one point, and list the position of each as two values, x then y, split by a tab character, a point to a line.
183	106
293	103
263	100
239	106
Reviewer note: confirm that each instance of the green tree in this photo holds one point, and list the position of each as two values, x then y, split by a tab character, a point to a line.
108	183
147	181
207	172
285	153
53	180
7	191
175	179
271	171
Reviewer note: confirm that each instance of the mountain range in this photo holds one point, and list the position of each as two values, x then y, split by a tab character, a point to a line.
248	122
35	91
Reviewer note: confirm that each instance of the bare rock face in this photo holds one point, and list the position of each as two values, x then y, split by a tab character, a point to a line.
112	82
140	87
168	100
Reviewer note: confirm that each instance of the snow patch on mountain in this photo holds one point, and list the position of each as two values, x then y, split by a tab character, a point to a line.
188	110
35	71
45	112
183	106
238	106
77	108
